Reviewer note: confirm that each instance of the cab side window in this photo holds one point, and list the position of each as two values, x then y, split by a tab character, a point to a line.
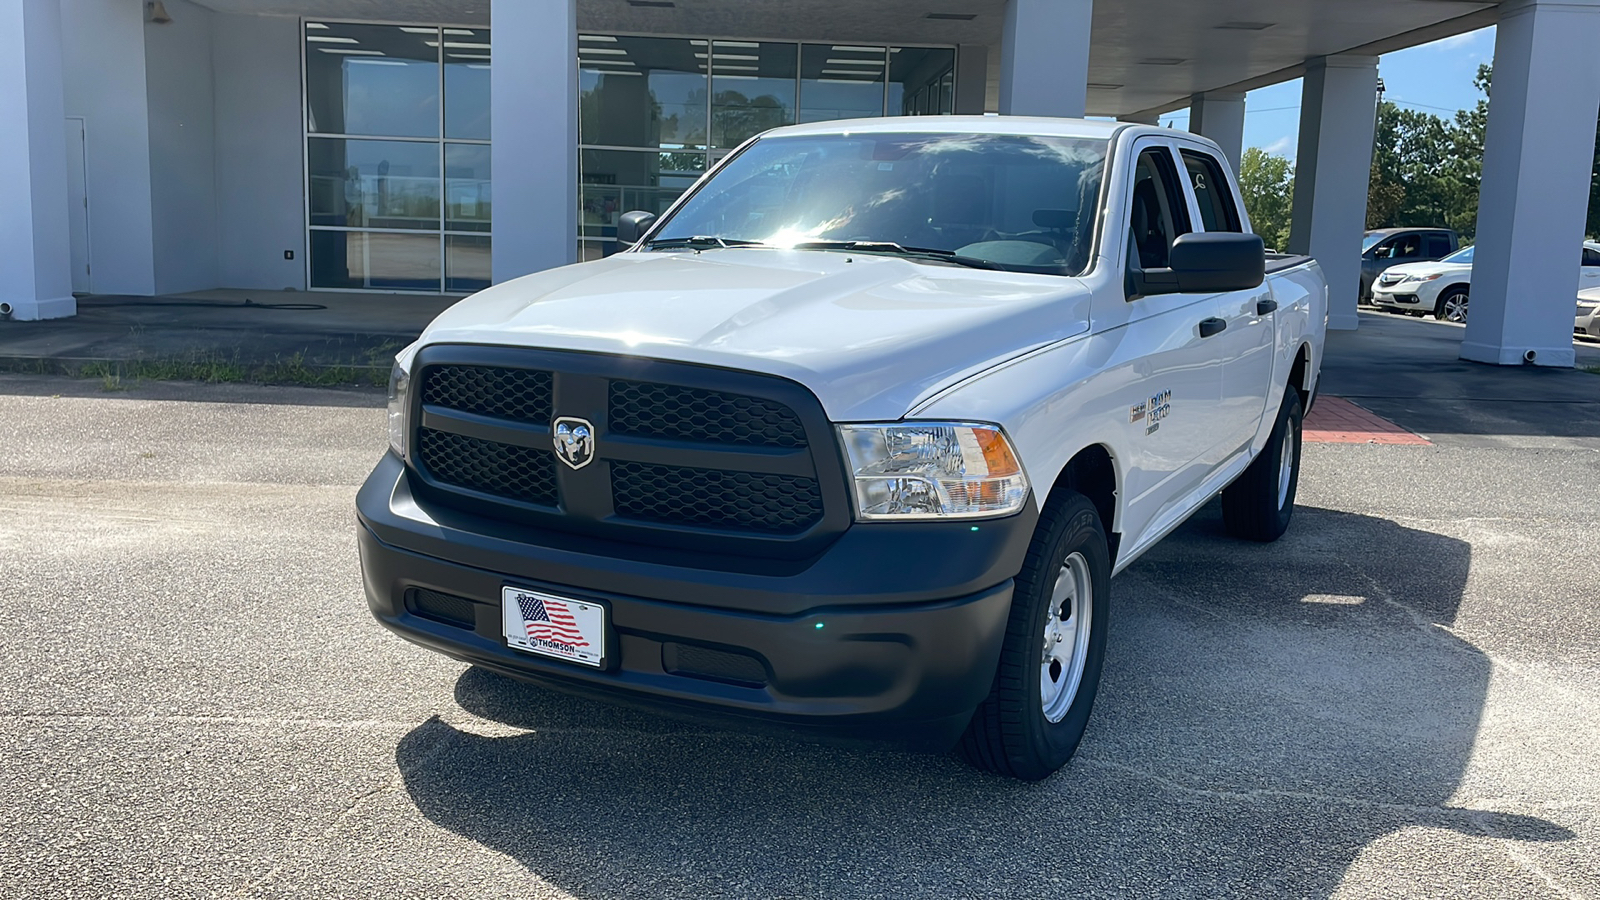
1158	213
1591	258
1438	246
1211	192
1405	246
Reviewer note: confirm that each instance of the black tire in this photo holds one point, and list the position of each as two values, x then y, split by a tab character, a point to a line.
1009	733
1455	293
1258	505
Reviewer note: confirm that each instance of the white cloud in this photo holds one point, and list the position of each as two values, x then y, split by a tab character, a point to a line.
1283	146
1454	42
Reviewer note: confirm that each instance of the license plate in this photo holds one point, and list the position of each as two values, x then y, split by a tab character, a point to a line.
557	627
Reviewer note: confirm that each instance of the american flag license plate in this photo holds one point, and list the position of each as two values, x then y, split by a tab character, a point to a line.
573	630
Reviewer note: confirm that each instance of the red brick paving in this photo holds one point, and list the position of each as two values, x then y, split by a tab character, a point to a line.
1335	420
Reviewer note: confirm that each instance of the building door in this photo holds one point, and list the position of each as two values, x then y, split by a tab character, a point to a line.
78	204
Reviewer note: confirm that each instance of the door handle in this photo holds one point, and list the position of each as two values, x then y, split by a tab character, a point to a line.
1208	327
1265	306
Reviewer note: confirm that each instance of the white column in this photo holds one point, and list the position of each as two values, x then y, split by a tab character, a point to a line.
1044	58
1219	115
534	103
1338	103
1535	191
35	251
972	79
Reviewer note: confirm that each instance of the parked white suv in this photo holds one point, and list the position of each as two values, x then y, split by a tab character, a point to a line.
857	433
1441	288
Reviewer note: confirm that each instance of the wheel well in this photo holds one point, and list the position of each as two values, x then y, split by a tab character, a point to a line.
1297	374
1092	474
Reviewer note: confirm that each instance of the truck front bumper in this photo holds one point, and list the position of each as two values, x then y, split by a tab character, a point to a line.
893	632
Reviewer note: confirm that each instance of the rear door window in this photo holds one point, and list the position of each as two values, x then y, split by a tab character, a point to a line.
1591	257
1438	246
1211	192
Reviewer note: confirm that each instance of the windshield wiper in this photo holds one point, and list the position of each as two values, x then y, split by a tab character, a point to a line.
901	250
702	240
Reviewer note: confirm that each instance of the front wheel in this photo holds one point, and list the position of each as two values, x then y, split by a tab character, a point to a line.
1258	505
1452	306
1038	707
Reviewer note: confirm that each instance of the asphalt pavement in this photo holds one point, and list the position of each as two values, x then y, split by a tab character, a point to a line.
1400	698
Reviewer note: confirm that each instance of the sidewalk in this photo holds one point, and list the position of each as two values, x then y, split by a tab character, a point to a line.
235	327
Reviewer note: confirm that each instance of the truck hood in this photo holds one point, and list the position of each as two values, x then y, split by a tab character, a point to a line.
871	336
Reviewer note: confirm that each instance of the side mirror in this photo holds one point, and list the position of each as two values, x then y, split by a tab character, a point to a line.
632	226
1218	261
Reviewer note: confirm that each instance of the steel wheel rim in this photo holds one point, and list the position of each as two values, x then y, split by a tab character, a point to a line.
1066	638
1285	466
1455	309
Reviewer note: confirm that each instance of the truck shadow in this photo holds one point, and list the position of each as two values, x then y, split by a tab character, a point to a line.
1266	714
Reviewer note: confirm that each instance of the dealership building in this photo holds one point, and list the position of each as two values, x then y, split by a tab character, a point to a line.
360	145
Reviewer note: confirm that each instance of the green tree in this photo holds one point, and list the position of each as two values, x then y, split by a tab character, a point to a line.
1267	183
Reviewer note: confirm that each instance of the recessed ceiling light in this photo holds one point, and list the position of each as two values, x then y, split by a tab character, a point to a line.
374	62
608	51
840	49
737	77
855	62
330	39
468	56
952	17
1246	26
616	72
1162	61
602	38
737	44
1103	86
412	29
653	4
871	76
724	66
462	31
605	62
317	25
348	52
728	56
847	81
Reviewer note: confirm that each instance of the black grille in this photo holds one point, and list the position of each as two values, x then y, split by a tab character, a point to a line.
693	414
746	501
713	665
520	473
446	608
522	395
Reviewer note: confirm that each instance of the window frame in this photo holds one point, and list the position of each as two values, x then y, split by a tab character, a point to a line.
1178	207
1233	221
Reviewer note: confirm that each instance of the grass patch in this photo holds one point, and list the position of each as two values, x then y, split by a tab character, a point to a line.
372	370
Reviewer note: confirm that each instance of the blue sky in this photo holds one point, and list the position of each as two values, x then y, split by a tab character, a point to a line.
1435	78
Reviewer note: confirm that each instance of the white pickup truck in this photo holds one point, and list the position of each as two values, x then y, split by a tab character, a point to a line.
855	435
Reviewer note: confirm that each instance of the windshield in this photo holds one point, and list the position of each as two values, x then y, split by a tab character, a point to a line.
1371	238
1464	255
1012	202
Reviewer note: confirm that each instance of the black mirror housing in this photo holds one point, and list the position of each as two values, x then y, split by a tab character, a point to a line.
632	225
1218	261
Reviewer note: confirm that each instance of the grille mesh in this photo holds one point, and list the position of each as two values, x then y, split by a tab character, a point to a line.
447	608
713	665
670	411
520	473
522	395
775	504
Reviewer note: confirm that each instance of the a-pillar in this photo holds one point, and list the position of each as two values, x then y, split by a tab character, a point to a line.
1337	109
1534	196
1219	115
1044	58
35	249
533	83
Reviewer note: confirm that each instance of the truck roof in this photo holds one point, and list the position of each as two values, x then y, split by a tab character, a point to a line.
1024	125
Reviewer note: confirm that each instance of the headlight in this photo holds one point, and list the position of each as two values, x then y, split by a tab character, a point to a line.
399	386
1422	278
933	470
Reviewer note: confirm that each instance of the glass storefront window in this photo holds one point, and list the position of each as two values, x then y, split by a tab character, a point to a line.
374	184
372	80
466	263
467	183
613	182
641	92
397	208
920	80
466	84
841	82
752	89
365	260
